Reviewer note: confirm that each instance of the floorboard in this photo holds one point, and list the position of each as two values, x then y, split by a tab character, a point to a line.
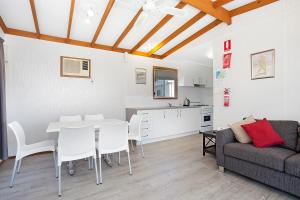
173	169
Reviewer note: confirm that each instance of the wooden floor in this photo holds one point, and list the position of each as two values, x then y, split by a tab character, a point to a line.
173	169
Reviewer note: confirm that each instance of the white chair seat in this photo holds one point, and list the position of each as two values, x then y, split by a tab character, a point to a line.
47	145
24	149
113	138
74	144
135	131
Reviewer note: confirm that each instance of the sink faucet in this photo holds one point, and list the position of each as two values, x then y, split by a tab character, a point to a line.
170	105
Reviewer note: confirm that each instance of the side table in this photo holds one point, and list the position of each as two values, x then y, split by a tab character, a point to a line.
209	142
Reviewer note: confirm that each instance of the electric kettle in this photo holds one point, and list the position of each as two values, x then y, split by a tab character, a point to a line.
186	102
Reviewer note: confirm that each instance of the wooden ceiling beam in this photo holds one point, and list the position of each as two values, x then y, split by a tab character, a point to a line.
72	42
2	25
36	22
103	19
185	26
156	28
208	7
128	28
250	6
70	18
238	11
192	37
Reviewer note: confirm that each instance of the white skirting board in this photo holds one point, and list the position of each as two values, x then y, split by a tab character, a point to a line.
151	140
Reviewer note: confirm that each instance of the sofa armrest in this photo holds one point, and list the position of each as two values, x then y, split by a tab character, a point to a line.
223	137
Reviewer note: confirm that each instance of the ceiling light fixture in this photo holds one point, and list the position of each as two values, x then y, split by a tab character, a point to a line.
88	12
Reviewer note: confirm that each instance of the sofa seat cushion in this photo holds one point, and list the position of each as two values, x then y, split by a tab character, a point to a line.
292	165
271	157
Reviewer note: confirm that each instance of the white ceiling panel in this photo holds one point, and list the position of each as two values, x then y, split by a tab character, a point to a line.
138	32
190	31
117	20
237	3
17	14
53	16
80	29
169	28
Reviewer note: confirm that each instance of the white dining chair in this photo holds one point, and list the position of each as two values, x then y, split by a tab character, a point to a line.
113	138
97	117
75	143
135	131
24	149
70	118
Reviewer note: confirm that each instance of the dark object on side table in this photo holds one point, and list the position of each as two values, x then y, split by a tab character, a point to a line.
209	142
277	166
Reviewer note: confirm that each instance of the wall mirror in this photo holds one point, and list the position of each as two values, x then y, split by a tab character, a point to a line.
165	83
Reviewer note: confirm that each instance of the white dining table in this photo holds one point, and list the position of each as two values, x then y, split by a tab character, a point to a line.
54	127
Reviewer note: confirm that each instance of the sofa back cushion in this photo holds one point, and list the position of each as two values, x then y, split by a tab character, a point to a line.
298	145
288	130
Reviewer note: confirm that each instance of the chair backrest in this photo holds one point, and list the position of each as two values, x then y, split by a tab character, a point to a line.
18	131
93	117
113	138
76	143
135	125
70	118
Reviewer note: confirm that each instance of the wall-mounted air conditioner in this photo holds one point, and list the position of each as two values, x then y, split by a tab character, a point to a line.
75	67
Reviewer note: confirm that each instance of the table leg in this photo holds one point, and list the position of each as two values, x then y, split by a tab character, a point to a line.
107	160
71	168
203	143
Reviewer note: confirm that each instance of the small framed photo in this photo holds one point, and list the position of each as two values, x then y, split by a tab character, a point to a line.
140	76
263	64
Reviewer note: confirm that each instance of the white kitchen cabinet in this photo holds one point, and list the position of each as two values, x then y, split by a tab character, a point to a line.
191	76
164	123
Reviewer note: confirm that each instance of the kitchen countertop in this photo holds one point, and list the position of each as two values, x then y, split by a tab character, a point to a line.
164	107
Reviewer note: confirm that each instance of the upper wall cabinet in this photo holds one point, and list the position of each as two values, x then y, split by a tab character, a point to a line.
196	77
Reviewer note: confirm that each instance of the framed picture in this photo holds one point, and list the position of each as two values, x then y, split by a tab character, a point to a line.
140	76
263	64
75	67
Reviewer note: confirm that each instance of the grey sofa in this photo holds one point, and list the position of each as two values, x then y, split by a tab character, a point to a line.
277	166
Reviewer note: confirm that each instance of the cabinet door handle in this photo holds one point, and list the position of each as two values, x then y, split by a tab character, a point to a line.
164	114
145	121
145	113
145	128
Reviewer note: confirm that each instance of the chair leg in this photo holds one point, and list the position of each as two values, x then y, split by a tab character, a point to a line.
55	164
96	169
129	163
19	166
132	145
13	174
119	158
92	163
100	168
89	161
59	180
142	148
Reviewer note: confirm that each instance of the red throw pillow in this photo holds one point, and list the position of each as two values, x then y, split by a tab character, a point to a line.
262	134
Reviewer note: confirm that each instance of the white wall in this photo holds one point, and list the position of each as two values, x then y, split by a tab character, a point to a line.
271	27
292	60
1	33
37	95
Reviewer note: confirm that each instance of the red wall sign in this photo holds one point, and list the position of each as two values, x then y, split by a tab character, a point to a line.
226	60
227	45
